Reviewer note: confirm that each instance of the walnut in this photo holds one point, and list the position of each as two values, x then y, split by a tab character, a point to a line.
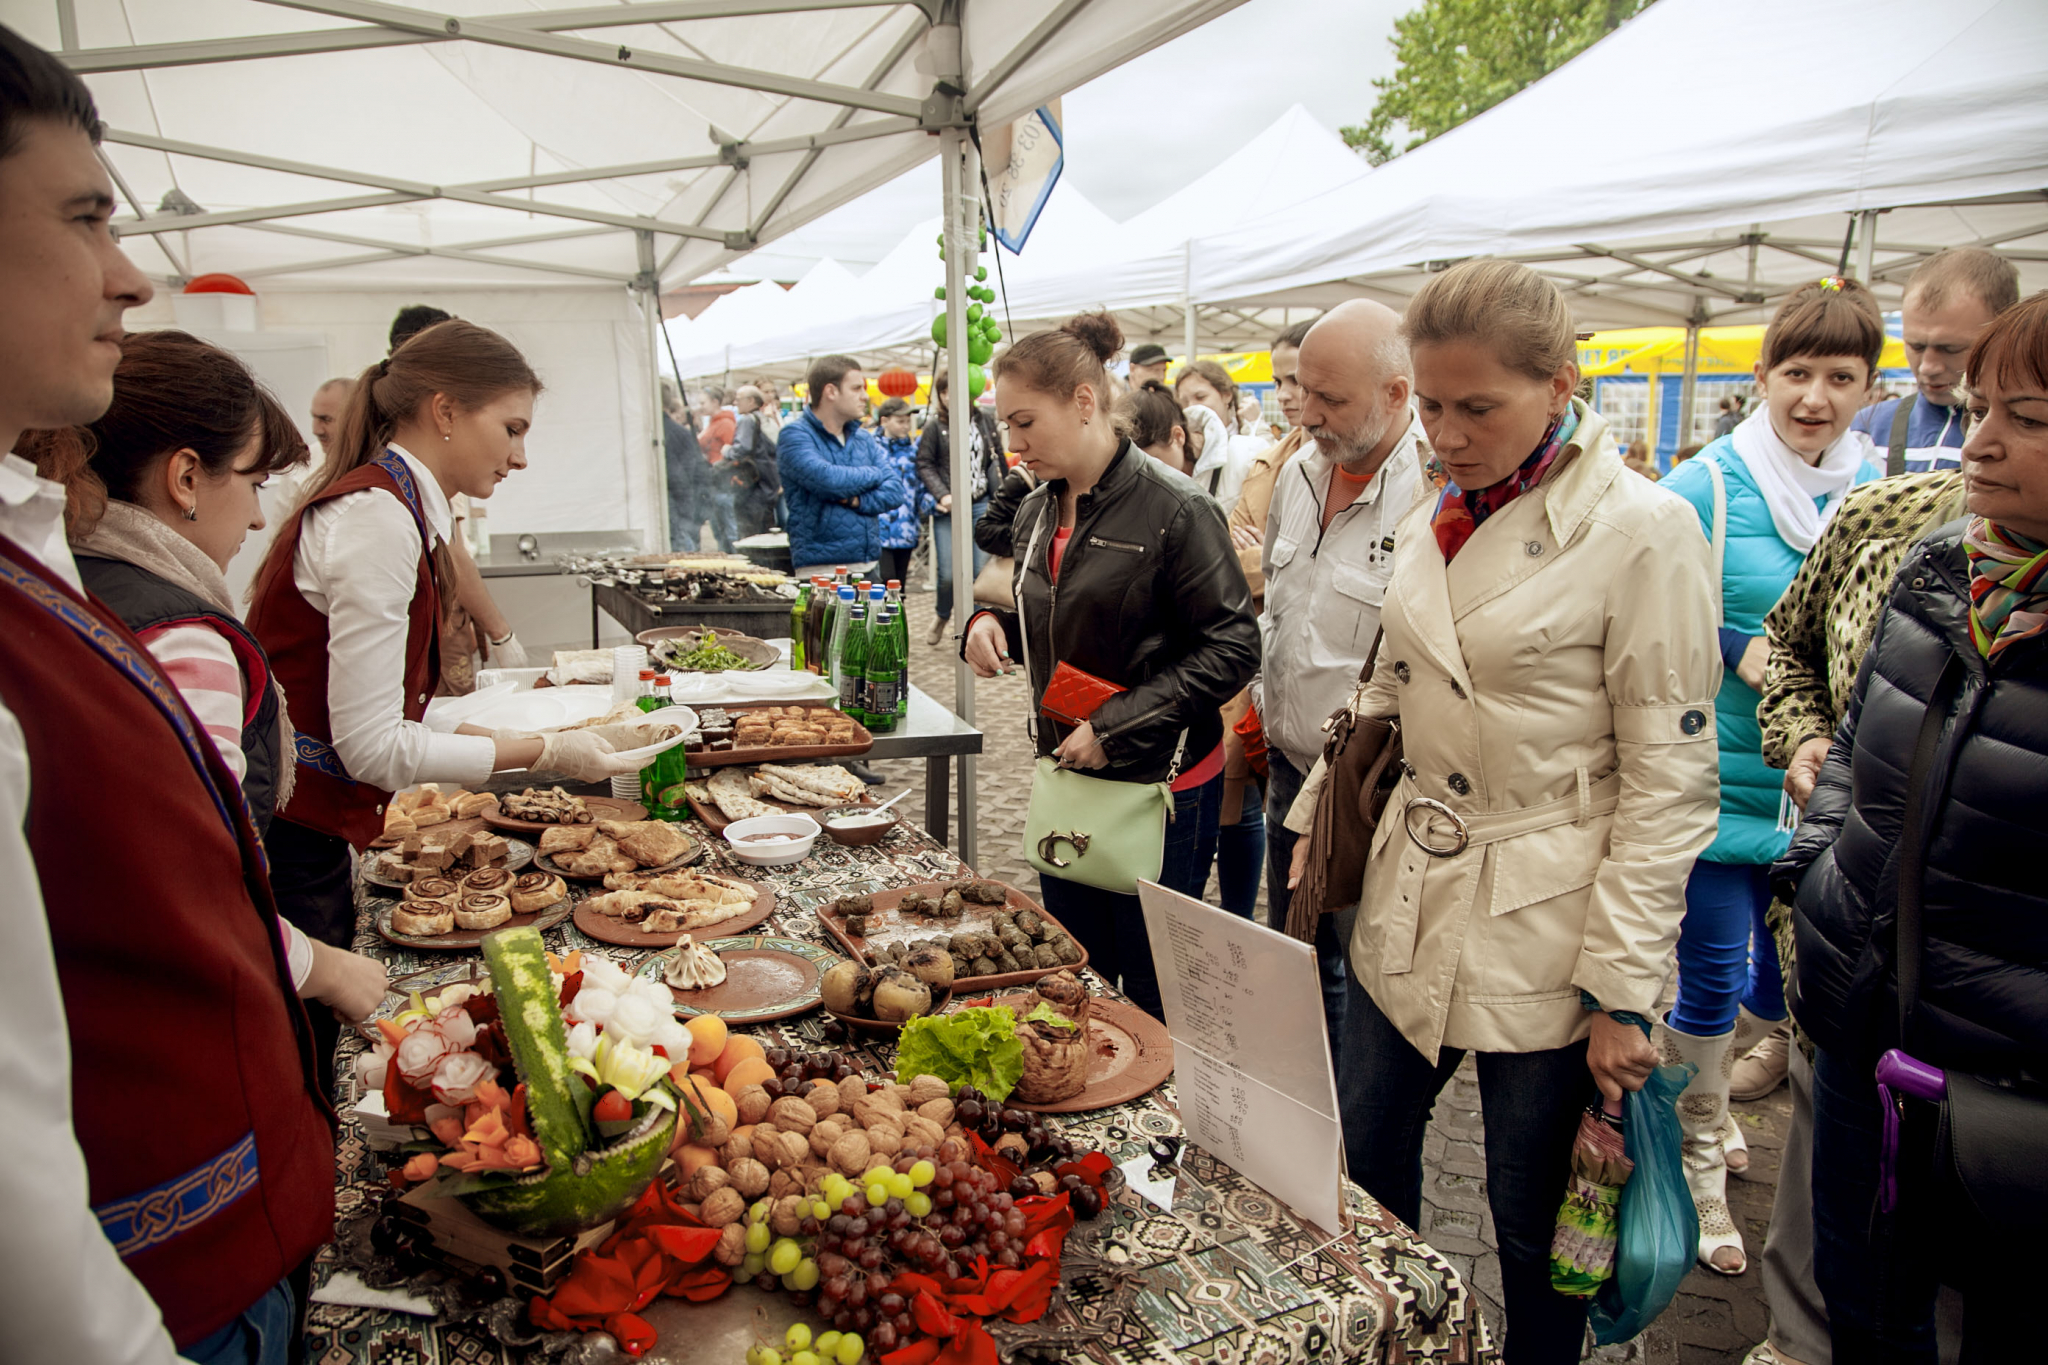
823	1097
852	1091
920	1131
825	1135
726	1206
939	1111
732	1245
924	1089
885	1139
783	1183
738	1147
792	1115
713	1131
851	1154
753	1104
749	1177
787	1217
708	1181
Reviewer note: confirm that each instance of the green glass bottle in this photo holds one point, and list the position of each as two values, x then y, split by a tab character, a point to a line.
666	773
799	622
885	673
850	667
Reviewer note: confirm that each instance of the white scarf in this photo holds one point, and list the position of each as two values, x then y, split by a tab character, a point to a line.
1790	485
128	533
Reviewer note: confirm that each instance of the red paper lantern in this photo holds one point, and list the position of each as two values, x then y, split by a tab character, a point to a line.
896	383
217	284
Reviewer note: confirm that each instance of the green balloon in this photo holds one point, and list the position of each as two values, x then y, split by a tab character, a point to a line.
939	330
976	381
981	272
989	329
980	349
940	293
974	312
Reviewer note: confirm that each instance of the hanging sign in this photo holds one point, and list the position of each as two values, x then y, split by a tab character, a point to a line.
1023	161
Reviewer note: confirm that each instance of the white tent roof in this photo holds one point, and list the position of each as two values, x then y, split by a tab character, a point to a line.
1633	173
1076	259
476	142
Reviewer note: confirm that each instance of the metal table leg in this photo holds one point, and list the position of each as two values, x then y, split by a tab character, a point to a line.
935	780
970	813
593	616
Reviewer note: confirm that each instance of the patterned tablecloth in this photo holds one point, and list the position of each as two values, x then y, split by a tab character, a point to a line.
1230	1276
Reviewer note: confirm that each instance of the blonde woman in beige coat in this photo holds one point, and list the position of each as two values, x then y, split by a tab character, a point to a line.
1551	654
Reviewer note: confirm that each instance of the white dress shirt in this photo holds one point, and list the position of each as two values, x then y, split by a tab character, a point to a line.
64	1294
358	563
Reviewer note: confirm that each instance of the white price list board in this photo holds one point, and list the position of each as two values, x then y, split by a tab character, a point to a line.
1251	1059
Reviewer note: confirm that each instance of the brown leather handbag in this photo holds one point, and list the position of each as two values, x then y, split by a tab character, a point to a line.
1362	761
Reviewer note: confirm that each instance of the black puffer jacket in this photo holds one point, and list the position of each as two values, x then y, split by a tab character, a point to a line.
1984	981
1150	596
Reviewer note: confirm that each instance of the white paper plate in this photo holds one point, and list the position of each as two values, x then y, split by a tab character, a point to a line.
544	708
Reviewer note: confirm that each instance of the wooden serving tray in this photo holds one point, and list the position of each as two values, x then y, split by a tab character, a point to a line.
600	808
975	919
607	929
777	753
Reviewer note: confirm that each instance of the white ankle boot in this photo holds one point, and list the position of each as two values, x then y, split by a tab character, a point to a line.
1702	1117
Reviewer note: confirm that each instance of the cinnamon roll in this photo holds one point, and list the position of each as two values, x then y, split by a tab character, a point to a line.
440	889
495	881
423	919
537	891
482	910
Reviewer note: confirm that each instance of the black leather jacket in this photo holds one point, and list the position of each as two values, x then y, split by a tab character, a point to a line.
992	532
1150	596
1984	976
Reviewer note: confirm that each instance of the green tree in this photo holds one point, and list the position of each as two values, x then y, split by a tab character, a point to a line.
1458	58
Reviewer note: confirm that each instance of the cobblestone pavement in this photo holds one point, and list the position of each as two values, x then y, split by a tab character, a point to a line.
1714	1319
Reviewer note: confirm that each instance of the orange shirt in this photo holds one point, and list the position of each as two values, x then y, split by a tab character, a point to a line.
1343	491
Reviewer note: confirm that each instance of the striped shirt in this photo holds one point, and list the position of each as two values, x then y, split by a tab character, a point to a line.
201	662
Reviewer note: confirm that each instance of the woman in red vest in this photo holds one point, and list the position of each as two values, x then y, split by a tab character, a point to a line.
161	492
348	605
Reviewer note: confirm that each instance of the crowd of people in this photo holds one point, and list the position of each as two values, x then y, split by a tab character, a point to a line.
1772	727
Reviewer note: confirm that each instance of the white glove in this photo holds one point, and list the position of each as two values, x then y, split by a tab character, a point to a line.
509	654
582	755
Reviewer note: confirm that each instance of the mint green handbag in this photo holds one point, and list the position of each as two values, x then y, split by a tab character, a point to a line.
1093	830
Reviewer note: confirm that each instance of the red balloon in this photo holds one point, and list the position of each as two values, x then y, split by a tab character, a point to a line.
217	284
896	383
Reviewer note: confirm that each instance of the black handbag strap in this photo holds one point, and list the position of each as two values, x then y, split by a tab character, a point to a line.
1902	421
1913	846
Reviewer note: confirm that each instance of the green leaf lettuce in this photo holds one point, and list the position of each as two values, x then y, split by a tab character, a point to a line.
977	1047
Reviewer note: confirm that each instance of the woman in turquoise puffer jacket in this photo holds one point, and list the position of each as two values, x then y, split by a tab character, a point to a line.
1780	475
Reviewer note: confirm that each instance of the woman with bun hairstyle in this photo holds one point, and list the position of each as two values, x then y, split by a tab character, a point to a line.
1776	480
161	491
1549	654
1149	597
348	605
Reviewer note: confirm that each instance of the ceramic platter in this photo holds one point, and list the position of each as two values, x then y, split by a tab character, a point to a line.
765	979
468	940
519	854
607	929
1130	1053
600	808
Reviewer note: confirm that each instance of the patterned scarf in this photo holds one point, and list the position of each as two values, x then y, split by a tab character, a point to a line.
1458	513
2008	585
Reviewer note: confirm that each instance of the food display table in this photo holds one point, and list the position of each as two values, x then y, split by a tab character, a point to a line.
762	620
1230	1275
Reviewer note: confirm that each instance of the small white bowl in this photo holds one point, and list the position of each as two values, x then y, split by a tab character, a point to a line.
802	832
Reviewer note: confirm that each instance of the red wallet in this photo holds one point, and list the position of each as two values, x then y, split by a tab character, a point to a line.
1072	695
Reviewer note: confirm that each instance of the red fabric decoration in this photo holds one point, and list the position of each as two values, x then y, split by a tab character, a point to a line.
657	1249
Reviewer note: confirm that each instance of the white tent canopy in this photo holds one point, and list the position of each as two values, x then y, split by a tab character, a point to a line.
1076	259
329	148
1748	136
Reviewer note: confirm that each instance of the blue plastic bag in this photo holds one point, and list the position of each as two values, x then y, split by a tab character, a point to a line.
1660	1230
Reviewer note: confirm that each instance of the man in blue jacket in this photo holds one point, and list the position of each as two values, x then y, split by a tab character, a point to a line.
1952	297
834	475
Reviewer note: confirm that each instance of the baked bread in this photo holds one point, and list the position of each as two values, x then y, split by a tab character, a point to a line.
567	839
397	824
630	906
482	910
603	855
649	843
537	891
424	919
474	803
428	889
494	880
429	815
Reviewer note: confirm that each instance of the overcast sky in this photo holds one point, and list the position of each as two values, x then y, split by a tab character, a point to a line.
1152	125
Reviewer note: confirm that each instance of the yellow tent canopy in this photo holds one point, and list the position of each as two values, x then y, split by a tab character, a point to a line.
1661	350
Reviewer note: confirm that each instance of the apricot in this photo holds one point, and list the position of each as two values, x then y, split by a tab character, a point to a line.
750	1071
738	1048
707	1039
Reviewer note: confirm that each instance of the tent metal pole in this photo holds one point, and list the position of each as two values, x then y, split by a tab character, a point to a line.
960	177
1187	301
648	285
1867	247
1689	383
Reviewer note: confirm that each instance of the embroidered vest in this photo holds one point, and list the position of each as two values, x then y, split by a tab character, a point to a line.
209	1153
294	634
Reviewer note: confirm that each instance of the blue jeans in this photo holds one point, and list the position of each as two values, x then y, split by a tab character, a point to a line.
942	555
1726	955
683	519
716	505
1532	1100
1333	932
1111	926
261	1336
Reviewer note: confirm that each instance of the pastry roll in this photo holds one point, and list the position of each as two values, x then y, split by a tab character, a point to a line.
537	891
489	880
482	910
430	889
424	919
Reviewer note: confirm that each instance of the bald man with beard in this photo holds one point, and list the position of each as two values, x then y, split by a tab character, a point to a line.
1329	548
